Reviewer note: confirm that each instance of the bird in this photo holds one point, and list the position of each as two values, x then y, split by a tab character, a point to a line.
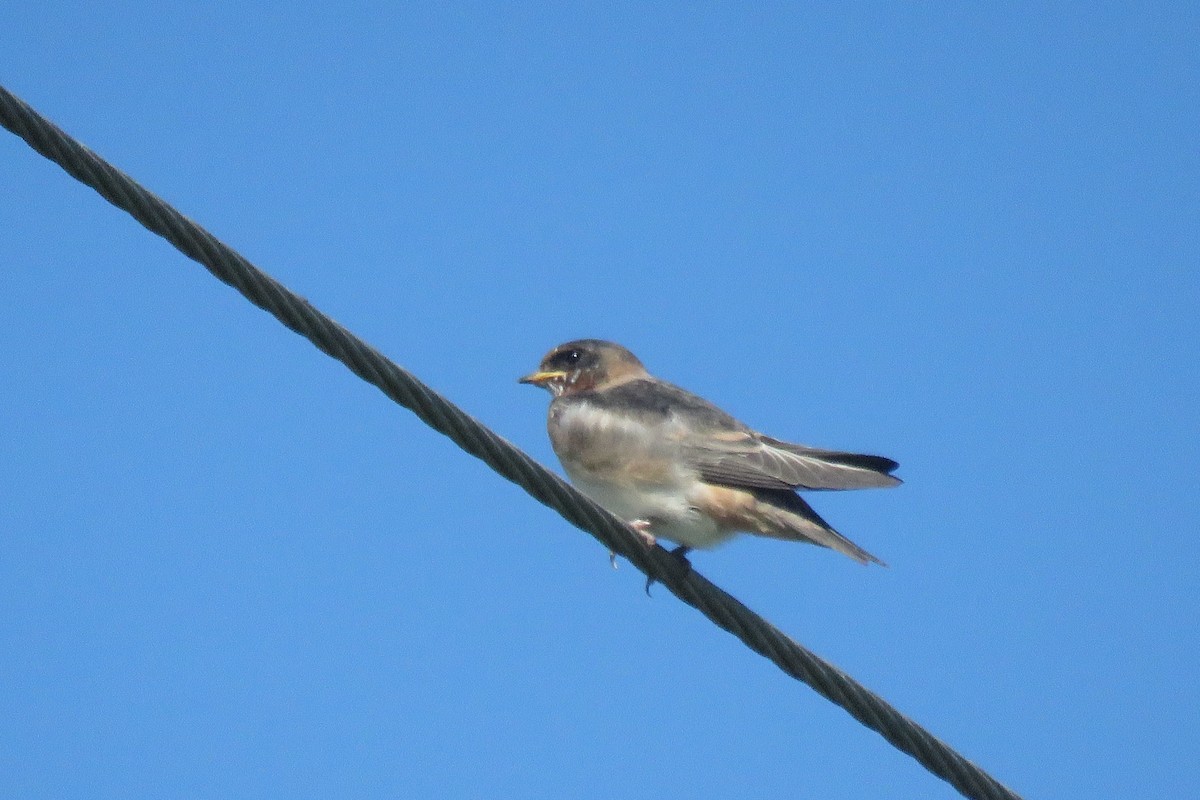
676	467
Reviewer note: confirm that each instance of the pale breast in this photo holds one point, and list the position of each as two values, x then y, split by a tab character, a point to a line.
613	448
632	469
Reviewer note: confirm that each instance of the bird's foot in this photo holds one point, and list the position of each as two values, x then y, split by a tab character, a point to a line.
680	554
642	528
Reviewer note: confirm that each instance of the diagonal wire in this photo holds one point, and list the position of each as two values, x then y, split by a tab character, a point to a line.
544	486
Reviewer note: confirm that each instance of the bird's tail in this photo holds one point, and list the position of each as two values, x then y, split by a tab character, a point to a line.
788	516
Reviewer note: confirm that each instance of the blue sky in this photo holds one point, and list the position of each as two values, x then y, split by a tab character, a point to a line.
961	236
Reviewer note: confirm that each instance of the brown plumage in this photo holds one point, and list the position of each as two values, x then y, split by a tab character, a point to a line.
677	467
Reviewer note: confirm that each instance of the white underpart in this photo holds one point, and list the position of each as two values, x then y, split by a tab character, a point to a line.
665	504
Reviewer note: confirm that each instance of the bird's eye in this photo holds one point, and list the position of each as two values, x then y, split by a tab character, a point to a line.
572	356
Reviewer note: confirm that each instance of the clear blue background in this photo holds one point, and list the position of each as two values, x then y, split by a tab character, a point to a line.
963	237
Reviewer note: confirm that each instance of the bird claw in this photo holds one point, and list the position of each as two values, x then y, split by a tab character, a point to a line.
680	554
642	528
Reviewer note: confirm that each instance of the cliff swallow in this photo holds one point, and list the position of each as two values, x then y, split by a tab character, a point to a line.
676	467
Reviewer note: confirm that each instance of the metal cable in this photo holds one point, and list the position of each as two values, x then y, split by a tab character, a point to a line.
544	486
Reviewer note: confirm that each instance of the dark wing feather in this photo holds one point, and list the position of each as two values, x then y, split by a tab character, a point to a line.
757	461
877	464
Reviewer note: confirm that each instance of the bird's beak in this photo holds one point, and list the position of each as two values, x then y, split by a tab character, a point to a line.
543	377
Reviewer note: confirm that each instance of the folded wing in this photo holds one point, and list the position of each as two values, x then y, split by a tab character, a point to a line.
752	460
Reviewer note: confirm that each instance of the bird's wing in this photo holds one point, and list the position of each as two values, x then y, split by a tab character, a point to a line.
746	458
727	452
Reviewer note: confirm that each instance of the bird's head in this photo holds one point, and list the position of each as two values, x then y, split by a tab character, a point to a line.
585	364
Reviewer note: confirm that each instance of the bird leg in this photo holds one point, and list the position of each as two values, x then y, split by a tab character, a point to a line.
642	528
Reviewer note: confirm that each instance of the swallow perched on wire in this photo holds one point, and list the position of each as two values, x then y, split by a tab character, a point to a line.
676	467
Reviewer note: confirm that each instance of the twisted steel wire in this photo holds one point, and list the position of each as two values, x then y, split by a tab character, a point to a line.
544	486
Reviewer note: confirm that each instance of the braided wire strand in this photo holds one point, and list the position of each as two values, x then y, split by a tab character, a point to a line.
543	485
